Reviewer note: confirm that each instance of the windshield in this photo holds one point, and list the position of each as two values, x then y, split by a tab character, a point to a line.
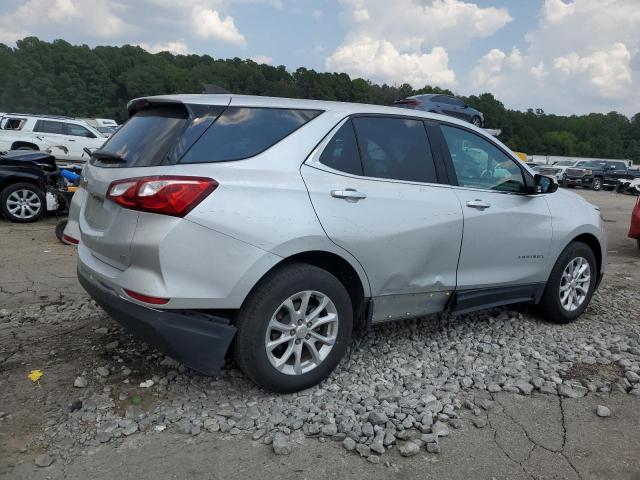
565	163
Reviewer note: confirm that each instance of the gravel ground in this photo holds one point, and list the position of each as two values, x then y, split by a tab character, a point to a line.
402	386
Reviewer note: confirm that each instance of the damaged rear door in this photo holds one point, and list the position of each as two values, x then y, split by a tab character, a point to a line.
375	187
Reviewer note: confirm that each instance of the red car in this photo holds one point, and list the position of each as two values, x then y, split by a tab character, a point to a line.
634	229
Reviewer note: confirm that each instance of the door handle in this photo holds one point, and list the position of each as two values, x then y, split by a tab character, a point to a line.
71	139
479	204
349	194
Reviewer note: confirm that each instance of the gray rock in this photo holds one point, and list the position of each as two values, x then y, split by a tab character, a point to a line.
575	391
130	429
134	412
330	429
479	422
43	460
80	382
280	444
632	376
373	459
440	429
349	444
603	411
211	425
363	450
377	418
102	371
433	447
408	449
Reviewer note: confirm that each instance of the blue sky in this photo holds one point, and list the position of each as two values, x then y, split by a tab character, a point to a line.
565	56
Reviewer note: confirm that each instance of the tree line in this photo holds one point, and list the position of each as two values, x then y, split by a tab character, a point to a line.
60	78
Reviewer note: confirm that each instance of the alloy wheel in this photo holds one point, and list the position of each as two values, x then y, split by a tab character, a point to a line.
301	333
597	184
24	204
574	284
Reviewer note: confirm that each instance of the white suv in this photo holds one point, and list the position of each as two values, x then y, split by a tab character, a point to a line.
66	137
283	225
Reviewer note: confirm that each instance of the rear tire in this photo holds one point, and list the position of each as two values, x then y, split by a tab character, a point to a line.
476	122
272	315
22	203
551	304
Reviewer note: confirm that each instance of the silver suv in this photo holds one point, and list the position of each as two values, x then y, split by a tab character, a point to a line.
272	229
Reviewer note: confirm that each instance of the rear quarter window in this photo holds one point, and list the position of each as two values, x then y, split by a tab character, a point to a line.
242	132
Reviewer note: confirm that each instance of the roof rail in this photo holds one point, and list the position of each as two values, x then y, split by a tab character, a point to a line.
39	115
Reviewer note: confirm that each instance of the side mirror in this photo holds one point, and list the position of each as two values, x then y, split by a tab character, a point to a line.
544	184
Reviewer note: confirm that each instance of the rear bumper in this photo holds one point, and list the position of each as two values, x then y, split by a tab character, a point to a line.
199	341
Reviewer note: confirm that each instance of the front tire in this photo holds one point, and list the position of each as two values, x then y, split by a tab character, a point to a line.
22	203
596	184
570	285
476	122
294	328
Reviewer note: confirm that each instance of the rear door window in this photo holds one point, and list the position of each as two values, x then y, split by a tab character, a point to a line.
242	132
395	148
341	153
47	126
146	138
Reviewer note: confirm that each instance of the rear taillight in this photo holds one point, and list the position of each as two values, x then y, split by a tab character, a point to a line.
141	297
70	240
166	195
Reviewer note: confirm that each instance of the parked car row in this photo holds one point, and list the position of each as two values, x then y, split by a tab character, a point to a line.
616	175
67	135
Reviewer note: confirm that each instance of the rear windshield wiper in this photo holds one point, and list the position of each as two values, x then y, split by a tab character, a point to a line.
107	157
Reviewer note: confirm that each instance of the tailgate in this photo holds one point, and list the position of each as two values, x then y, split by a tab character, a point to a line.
106	228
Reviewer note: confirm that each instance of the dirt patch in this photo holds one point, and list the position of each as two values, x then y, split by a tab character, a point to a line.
584	371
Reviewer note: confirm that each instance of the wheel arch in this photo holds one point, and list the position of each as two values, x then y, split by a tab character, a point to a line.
22	143
352	277
592	242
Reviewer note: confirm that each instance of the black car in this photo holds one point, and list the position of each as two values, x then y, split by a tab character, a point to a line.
597	174
443	104
24	179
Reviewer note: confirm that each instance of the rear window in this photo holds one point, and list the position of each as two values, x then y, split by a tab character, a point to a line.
242	132
146	138
395	148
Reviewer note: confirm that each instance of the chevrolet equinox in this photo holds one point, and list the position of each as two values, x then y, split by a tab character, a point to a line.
270	229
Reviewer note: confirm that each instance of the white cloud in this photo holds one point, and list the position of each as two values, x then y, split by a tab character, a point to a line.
379	59
538	72
424	23
404	40
608	71
98	18
262	59
360	14
555	10
582	56
177	48
208	23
